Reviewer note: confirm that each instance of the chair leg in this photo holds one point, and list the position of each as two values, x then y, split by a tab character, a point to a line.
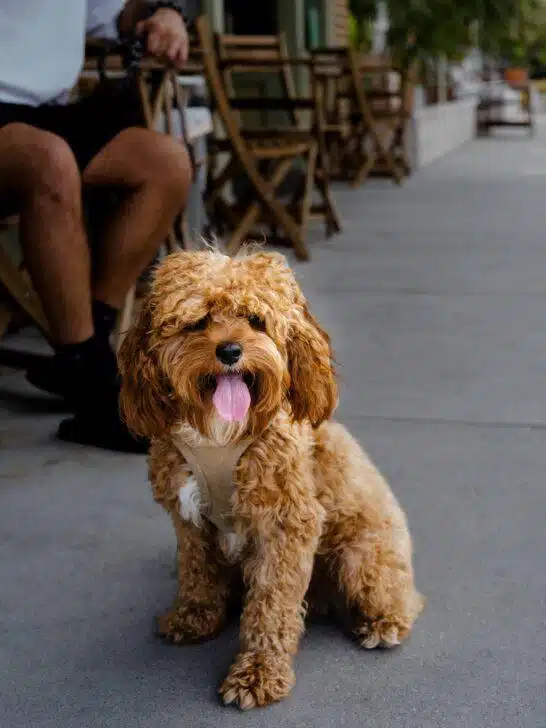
384	152
125	318
379	152
171	242
322	182
255	209
218	182
23	293
398	149
5	318
365	169
185	233
286	221
308	192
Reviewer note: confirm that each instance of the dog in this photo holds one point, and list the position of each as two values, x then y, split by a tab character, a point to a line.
231	377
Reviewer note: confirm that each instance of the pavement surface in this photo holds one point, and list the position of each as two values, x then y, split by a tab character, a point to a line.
435	295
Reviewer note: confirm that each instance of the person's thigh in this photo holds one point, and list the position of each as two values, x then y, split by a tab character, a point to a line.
137	156
91	123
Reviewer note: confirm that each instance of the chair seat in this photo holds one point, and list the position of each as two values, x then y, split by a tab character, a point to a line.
275	148
268	146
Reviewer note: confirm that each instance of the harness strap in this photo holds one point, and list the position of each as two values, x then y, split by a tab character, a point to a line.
213	468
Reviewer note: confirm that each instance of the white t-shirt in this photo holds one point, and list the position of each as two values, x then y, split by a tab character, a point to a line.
42	45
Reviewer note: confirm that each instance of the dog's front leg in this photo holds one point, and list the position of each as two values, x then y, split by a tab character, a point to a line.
283	542
200	609
204	579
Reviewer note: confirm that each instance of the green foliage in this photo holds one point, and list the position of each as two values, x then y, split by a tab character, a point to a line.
512	29
428	27
362	9
360	33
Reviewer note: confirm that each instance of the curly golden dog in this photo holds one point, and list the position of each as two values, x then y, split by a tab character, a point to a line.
231	377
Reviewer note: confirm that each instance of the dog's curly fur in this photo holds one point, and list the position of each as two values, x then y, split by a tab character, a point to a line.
315	522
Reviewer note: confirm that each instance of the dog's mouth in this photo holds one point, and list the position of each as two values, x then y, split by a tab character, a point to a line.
232	394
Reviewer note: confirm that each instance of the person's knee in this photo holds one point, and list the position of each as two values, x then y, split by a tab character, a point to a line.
45	167
174	170
156	160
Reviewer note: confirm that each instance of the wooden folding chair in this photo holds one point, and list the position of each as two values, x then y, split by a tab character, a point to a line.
259	157
269	57
386	92
366	117
333	78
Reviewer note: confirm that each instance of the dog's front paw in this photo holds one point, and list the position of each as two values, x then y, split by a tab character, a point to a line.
189	623
257	679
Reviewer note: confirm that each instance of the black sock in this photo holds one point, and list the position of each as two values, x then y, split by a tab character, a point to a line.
94	353
104	318
79	350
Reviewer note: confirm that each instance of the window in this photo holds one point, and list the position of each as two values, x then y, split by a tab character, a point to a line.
314	23
251	18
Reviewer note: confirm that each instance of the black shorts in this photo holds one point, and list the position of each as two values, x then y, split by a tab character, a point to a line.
86	125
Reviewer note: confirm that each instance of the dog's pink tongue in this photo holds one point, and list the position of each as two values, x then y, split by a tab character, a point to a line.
231	398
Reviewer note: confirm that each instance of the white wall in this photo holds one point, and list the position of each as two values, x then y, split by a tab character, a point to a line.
437	130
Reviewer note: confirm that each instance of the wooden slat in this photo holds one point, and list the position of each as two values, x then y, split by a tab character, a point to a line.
250	40
250	63
252	103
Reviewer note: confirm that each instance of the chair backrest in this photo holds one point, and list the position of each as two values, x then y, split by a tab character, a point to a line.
272	49
269	48
218	96
387	87
332	68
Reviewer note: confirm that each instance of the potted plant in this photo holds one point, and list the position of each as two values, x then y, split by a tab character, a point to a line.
516	71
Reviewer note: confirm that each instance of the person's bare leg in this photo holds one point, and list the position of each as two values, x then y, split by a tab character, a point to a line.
154	173
39	173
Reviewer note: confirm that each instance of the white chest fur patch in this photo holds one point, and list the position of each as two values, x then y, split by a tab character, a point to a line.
190	501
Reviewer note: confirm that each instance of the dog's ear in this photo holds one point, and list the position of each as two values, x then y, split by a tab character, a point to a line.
313	389
146	397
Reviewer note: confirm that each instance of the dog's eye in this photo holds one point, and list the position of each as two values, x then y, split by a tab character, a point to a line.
200	325
257	323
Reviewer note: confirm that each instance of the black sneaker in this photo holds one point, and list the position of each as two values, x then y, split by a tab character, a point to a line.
76	372
107	433
54	376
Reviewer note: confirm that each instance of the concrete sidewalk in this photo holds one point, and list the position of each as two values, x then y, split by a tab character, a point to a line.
436	299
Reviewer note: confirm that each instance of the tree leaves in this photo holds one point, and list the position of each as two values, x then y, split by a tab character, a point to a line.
421	28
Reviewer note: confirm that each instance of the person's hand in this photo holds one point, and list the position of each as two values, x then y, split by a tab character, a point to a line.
166	37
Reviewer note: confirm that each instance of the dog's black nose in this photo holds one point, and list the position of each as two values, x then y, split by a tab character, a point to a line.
229	353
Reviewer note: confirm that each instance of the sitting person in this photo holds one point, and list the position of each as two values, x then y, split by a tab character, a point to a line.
49	151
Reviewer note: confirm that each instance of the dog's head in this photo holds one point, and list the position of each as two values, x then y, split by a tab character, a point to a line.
224	344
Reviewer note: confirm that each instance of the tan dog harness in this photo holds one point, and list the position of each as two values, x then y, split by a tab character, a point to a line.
213	468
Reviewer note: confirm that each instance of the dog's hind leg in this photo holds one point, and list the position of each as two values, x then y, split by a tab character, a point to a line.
375	577
365	541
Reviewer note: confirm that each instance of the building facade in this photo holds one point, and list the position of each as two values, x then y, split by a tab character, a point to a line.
306	24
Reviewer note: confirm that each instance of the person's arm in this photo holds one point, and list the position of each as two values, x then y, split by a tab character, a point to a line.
162	23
